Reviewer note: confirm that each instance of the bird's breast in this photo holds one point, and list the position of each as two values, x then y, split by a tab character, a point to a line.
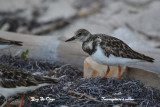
88	47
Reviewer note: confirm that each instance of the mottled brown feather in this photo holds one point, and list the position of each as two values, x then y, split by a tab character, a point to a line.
10	77
114	46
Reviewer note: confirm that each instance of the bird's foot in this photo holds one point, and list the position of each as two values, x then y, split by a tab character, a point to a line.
8	103
119	72
107	72
22	98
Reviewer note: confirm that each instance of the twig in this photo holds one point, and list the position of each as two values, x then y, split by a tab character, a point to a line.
53	25
156	38
130	102
83	94
132	3
57	69
59	78
4	104
129	26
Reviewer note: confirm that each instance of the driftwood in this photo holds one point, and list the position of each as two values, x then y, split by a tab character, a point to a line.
83	95
53	49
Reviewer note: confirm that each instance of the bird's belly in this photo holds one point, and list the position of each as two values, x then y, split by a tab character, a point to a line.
7	92
100	58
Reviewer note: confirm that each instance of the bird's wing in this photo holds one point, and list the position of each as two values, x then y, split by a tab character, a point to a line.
9	42
118	48
12	77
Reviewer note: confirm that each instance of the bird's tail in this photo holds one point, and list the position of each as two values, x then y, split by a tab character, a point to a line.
144	57
18	43
147	58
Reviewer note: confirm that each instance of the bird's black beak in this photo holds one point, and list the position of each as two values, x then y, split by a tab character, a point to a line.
71	39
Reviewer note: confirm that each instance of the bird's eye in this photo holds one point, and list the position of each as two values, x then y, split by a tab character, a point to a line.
79	34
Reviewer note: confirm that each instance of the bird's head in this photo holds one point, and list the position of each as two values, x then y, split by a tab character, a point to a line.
80	35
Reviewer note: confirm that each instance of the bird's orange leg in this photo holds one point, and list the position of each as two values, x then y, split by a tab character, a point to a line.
108	69
8	103
22	98
119	72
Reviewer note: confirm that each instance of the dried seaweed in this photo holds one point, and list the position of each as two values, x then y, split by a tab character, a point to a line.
73	90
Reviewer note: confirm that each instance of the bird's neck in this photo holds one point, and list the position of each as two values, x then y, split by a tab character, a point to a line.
88	45
87	38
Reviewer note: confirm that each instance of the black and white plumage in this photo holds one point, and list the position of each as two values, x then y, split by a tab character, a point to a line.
108	50
103	47
4	43
14	81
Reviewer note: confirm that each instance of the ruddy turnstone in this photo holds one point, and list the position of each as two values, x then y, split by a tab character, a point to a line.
15	81
4	43
108	50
